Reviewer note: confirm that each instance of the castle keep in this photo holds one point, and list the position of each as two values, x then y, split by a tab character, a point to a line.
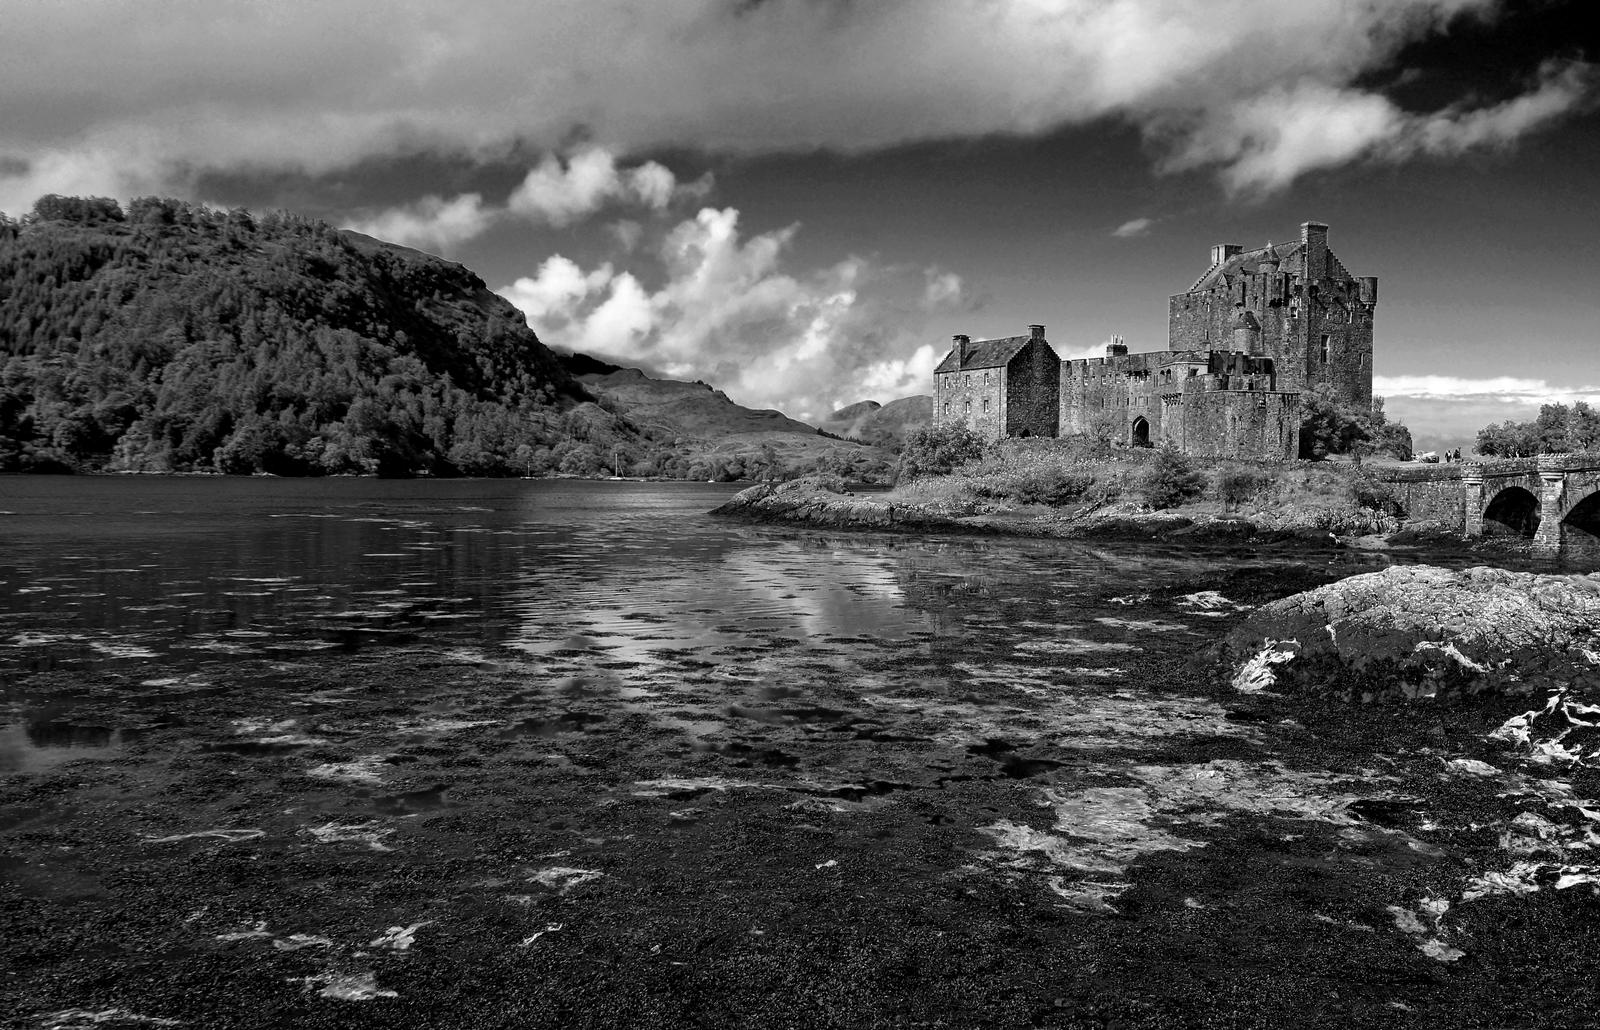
1253	333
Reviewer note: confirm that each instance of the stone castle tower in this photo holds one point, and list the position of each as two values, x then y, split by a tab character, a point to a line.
1294	303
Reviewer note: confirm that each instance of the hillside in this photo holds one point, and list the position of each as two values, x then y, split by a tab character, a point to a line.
717	436
171	337
881	425
686	409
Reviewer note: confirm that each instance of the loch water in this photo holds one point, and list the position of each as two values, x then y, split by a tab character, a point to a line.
153	580
581	740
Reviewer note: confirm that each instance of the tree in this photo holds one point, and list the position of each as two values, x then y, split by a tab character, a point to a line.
1556	430
1330	424
938	450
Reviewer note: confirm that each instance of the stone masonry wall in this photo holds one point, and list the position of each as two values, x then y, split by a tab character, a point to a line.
972	396
1033	389
1239	423
1429	494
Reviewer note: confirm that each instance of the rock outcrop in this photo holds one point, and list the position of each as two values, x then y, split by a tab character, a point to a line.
1419	631
823	501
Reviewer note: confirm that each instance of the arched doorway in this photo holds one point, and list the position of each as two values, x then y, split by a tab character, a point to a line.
1141	432
1513	510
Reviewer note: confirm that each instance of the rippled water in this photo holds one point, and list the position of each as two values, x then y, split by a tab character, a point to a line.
531	689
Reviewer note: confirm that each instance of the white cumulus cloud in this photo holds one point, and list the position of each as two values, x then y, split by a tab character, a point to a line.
554	192
558	193
431	222
727	310
1133	227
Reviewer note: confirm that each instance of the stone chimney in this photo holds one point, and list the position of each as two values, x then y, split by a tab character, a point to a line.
960	344
1036	331
1223	251
1314	241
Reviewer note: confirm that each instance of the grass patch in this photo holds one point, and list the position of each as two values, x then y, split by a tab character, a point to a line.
1073	472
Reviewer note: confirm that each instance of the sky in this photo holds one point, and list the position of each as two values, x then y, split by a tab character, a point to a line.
801	201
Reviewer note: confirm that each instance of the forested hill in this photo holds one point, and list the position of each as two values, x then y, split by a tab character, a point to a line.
172	337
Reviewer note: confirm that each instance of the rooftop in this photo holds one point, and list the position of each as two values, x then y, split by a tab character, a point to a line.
1291	261
984	354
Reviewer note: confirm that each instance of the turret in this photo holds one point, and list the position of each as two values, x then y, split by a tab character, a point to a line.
1367	290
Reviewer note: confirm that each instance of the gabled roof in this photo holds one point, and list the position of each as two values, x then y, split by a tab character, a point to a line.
984	354
1291	261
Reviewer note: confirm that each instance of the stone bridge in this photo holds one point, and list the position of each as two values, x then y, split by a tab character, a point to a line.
1554	498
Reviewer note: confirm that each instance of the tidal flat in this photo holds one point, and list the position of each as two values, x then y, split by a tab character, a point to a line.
356	753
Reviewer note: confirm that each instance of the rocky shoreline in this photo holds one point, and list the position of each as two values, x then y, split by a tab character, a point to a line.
814	501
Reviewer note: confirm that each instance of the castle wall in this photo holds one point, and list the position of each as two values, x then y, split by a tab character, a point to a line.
1218	422
1334	312
975	397
1032	392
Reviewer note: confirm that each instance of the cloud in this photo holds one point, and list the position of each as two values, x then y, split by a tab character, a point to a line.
943	290
1455	407
431	222
1267	141
559	194
553	193
1136	227
115	98
726	310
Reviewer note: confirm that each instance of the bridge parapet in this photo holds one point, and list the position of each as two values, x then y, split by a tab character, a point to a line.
1582	461
1509	466
1417	473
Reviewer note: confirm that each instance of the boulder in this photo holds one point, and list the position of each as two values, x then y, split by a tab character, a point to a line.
1419	631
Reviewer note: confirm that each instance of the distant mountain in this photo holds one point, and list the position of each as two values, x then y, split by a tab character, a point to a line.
881	425
171	337
711	431
679	408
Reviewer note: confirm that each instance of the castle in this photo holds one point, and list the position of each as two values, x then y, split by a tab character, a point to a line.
1253	333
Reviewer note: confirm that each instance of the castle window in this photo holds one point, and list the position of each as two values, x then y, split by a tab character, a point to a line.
986	379
968	408
986	404
1327	342
947	407
1294	308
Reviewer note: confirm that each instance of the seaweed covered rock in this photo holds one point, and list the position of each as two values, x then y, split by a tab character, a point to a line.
817	500
1420	631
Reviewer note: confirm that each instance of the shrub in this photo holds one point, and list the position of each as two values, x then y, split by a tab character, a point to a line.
1234	486
1375	495
1051	486
938	451
1168	480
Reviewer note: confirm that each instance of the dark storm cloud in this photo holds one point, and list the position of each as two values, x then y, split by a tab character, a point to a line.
117	98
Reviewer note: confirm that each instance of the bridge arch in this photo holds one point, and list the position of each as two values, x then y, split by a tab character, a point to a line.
1514	509
1580	526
